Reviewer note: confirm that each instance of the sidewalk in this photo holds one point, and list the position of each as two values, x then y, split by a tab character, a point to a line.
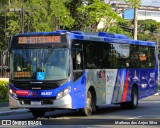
5	110
4	107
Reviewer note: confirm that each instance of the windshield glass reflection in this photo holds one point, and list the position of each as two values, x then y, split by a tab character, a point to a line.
49	63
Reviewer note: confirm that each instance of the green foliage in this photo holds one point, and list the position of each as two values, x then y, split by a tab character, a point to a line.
150	25
41	16
143	36
2	2
148	30
97	12
50	15
133	3
79	20
3	89
120	30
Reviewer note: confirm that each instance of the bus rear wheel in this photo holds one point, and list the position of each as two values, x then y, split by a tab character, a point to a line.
134	99
38	113
87	111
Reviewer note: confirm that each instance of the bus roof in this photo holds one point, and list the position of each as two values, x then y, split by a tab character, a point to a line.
109	37
94	36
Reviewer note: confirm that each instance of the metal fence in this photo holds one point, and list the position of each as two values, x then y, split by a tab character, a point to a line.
4	64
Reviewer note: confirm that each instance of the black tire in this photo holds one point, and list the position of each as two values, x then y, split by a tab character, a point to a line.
94	106
38	113
87	111
134	99
95	109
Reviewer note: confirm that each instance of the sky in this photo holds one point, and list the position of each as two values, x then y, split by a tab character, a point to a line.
151	2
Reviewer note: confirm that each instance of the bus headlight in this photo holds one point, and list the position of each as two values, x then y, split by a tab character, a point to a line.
66	91
12	92
63	93
59	95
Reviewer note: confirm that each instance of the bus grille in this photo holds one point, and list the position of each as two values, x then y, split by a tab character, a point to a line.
43	101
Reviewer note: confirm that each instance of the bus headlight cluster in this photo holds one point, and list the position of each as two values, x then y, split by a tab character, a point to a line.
63	93
10	90
14	95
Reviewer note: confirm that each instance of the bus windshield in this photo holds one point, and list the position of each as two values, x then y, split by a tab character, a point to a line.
51	63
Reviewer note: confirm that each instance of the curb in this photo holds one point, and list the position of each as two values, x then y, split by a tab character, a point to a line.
5	104
14	112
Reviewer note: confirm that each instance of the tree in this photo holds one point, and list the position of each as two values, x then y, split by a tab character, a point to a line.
99	12
149	24
124	27
33	15
78	17
133	3
3	25
3	2
147	30
38	16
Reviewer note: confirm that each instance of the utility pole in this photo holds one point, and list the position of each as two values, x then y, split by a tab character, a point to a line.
22	19
135	4
135	23
9	2
5	27
58	18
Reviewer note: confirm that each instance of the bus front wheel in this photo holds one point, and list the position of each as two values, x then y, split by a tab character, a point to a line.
38	113
87	111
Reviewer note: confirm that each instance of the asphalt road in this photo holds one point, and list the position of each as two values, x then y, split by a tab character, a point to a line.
146	115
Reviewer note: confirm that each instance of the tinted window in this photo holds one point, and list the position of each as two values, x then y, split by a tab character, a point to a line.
120	56
96	55
142	57
100	55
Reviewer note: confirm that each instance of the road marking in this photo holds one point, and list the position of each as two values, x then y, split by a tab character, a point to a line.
146	101
135	117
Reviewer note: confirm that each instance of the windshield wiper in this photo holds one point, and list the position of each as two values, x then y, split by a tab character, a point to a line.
27	56
46	56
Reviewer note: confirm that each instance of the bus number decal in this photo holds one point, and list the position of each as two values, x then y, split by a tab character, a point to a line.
22	40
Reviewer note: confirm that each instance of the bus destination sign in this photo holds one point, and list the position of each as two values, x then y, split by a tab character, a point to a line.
39	39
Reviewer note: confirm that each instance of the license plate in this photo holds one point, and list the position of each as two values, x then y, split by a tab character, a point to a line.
36	103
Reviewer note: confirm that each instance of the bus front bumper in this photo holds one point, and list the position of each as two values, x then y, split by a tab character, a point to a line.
64	102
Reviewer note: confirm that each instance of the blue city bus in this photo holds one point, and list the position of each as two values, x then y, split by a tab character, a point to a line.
80	71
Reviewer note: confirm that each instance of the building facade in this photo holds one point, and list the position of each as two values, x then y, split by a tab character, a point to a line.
147	10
